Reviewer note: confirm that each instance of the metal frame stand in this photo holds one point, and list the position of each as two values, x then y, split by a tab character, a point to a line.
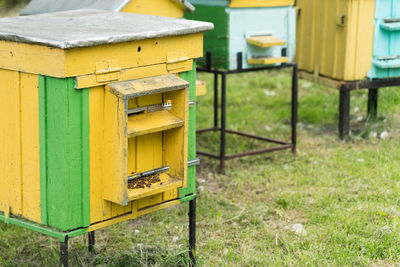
64	252
91	241
373	91
224	73
192	232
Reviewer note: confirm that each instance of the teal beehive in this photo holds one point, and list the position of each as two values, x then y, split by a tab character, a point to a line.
253	33
386	51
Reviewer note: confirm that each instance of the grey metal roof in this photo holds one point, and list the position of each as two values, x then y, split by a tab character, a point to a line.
47	6
83	28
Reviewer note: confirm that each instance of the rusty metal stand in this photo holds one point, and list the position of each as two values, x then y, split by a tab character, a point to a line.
64	252
223	129
91	241
373	91
192	232
373	103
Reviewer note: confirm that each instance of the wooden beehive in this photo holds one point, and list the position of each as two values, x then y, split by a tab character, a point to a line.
349	39
88	110
263	31
165	8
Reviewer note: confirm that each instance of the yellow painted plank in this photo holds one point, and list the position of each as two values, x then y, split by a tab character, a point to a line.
115	143
158	207
88	81
166	183
268	60
148	86
30	147
201	88
164	8
82	61
265	41
170	195
149	152
150	201
176	140
152	122
31	58
60	63
131	216
260	3
10	136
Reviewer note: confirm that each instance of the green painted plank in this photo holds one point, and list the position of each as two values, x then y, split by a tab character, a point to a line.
42	229
190	76
42	144
67	154
188	198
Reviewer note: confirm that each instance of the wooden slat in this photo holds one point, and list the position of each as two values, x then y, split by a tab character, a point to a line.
265	41
201	88
148	86
166	183
152	122
268	60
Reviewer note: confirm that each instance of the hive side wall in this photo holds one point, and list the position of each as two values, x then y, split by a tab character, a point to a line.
64	135
19	145
217	40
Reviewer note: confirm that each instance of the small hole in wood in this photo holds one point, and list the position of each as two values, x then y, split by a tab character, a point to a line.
139	49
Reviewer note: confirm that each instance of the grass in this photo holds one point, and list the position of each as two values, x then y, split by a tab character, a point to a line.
345	194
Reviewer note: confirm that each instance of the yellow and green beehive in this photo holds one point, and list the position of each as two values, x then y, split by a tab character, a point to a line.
91	102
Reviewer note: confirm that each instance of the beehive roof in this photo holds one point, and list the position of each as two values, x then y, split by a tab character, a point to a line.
47	6
84	28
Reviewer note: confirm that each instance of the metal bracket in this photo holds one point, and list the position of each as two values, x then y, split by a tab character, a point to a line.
151	108
148	173
193	162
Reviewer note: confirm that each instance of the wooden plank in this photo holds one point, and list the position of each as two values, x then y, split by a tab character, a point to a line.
66	145
147	86
265	41
268	60
154	7
149	152
201	88
10	156
60	63
260	3
152	122
166	183
30	147
115	143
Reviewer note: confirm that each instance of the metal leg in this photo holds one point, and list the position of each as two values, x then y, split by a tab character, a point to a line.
192	232
91	241
215	100
223	123
373	103
294	108
344	114
64	252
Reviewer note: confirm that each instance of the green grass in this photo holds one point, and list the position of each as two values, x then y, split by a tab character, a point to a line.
346	194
